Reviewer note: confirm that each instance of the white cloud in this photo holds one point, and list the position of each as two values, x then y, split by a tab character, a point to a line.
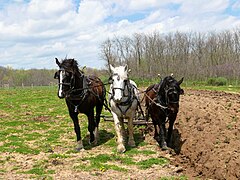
204	6
92	12
39	9
33	34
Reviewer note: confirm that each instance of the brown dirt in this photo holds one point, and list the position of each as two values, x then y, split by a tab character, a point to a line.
209	141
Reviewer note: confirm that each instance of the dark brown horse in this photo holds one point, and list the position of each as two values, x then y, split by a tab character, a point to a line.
82	94
162	104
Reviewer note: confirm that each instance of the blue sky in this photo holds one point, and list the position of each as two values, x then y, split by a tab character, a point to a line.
34	32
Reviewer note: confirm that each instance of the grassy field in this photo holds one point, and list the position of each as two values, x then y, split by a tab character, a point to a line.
37	140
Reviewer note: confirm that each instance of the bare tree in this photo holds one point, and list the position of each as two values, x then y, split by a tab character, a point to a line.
194	55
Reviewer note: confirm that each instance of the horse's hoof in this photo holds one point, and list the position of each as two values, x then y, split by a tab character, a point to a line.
132	143
170	145
157	138
79	149
121	149
92	142
79	146
164	146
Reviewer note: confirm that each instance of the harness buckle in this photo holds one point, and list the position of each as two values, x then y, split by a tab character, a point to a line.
76	109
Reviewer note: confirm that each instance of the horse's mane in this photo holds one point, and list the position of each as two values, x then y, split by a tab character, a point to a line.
71	65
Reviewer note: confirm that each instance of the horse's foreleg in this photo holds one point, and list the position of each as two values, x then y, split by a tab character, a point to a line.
98	113
91	127
123	133
74	117
163	143
131	141
156	129
172	119
119	131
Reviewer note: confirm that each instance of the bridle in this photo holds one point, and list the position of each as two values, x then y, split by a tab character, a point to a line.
173	90
126	84
130	96
163	102
71	84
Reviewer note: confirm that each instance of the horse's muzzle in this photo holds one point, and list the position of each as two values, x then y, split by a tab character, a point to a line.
173	107
117	101
61	96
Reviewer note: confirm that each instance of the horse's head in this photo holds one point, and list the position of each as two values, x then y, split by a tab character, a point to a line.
170	92
65	76
118	79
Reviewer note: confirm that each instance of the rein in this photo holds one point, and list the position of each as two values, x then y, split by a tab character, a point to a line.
87	88
157	104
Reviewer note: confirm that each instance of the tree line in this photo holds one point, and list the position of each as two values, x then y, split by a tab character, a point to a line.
10	77
196	56
33	77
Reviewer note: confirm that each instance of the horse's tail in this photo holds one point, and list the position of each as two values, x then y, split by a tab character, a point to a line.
104	100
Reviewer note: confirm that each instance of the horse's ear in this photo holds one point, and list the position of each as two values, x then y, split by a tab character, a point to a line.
57	62
180	82
126	67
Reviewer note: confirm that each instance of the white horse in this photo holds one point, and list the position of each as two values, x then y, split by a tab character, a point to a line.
123	100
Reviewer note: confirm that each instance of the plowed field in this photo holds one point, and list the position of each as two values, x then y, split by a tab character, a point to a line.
208	143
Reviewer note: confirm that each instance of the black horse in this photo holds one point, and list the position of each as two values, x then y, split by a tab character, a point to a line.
82	94
162	103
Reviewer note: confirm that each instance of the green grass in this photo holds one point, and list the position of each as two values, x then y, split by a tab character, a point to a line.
39	170
58	156
100	161
152	161
133	152
233	89
231	86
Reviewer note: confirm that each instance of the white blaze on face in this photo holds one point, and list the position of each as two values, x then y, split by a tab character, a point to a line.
119	75
118	84
60	84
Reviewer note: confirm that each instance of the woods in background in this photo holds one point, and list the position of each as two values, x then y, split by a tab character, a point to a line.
34	77
196	56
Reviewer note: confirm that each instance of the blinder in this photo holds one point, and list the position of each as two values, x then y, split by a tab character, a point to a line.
57	75
110	80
